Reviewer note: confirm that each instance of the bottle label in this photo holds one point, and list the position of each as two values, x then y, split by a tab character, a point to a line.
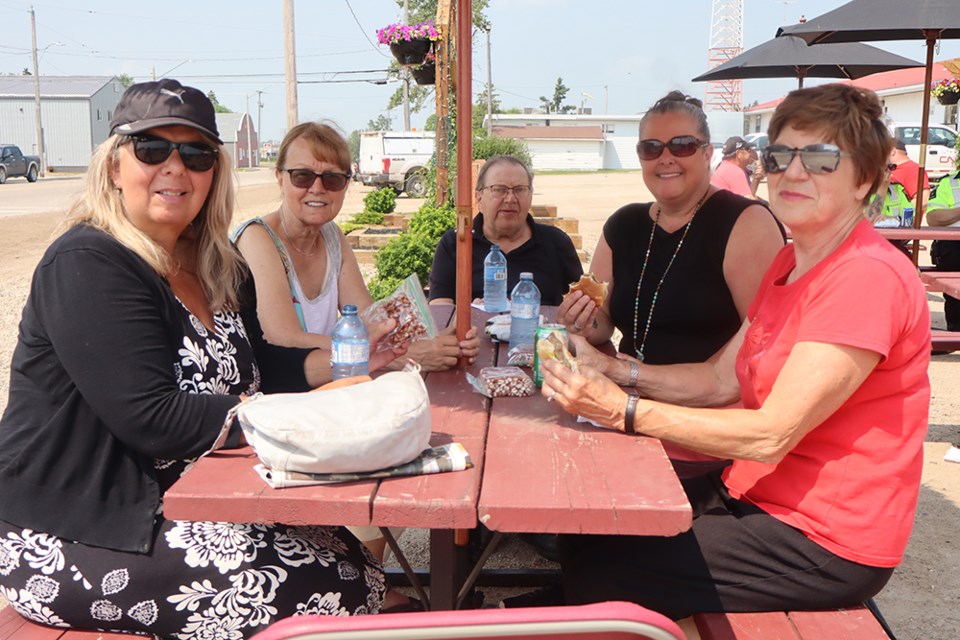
346	353
494	273
524	310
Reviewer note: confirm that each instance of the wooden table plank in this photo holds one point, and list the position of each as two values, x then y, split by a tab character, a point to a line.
847	624
923	233
942	281
224	487
446	500
747	626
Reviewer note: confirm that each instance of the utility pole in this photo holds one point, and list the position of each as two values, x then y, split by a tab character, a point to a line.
36	95
405	75
259	114
606	96
290	64
249	120
489	88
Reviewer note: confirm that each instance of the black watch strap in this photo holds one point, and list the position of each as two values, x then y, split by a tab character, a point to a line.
630	413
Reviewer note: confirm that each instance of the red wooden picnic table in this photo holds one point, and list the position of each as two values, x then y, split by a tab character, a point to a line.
947	282
920	233
535	469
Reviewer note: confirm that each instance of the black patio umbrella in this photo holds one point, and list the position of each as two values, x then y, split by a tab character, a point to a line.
870	20
788	57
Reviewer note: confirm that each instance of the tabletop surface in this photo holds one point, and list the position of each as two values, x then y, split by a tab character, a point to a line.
536	469
944	281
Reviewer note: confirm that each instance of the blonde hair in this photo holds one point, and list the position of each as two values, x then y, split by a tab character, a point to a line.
326	144
219	266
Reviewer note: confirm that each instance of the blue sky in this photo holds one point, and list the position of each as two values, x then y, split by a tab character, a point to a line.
623	53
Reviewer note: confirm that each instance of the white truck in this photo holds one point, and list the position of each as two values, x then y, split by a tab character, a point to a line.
941	149
395	159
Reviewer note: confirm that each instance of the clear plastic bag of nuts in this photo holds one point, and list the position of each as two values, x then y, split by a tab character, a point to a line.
408	306
501	382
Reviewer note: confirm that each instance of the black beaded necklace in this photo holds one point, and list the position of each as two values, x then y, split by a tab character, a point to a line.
643	270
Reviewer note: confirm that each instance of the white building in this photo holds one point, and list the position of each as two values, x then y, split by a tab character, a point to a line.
901	93
587	141
75	113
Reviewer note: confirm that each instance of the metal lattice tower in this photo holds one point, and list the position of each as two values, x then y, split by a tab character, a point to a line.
726	42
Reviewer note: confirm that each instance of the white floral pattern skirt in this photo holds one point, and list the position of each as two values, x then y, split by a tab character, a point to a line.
202	579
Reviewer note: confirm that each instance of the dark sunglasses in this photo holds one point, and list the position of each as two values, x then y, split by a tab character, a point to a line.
816	158
304	179
680	146
195	156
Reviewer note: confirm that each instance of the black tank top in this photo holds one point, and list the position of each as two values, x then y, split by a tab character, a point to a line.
695	313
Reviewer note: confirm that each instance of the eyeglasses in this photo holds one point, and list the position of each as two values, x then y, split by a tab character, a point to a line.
679	146
196	156
816	158
304	179
501	191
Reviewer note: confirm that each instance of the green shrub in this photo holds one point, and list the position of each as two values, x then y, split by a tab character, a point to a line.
382	200
431	221
407	253
347	227
381	287
484	148
368	217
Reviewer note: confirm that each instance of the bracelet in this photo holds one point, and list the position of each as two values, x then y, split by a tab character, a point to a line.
634	374
629	414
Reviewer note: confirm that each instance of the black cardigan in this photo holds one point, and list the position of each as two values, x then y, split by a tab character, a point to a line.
93	397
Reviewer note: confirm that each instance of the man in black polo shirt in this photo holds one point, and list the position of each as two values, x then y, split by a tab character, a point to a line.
504	195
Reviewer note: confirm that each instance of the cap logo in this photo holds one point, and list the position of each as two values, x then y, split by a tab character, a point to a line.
175	94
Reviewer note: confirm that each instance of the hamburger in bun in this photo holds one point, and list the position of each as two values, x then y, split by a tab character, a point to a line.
590	287
553	347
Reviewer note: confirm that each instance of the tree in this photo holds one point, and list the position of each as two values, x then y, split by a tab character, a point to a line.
125	79
26	72
480	110
382	123
217	107
555	105
354	143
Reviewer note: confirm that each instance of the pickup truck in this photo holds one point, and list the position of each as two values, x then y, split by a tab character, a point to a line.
13	164
941	151
395	159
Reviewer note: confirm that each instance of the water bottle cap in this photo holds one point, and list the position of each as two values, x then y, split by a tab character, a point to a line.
526	275
349	308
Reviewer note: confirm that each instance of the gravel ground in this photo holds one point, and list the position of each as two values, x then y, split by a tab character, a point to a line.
922	601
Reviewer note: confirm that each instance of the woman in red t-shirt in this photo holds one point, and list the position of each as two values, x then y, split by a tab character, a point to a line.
830	367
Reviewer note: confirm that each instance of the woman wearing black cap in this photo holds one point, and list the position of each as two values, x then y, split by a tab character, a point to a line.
134	344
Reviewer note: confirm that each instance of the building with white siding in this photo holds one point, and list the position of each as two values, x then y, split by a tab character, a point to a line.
586	141
900	91
75	112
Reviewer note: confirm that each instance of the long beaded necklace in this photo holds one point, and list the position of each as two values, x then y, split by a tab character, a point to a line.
305	254
643	270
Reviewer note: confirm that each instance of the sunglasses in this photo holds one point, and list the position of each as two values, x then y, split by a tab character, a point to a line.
680	147
195	156
816	158
304	179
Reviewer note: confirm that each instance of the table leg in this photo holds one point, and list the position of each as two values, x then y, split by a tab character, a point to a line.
448	568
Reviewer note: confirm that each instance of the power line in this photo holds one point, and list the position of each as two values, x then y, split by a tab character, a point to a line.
363	31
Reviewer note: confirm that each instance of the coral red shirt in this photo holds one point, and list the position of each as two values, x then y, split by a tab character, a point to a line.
852	483
731	177
906	175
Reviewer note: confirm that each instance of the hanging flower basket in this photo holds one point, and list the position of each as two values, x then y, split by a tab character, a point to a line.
425	73
946	91
409	44
951	97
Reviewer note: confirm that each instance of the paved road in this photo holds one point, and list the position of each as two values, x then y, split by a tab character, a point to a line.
56	191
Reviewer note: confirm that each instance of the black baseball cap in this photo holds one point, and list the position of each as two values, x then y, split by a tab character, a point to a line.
734	144
164	103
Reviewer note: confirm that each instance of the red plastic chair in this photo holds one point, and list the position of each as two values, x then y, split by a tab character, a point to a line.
604	621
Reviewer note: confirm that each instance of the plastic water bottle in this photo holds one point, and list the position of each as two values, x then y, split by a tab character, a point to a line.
495	281
350	351
524	311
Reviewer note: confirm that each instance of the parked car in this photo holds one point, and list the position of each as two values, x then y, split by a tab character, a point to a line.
941	149
759	139
395	159
717	155
13	164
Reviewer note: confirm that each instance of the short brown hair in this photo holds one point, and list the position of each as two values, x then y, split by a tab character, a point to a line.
850	117
326	143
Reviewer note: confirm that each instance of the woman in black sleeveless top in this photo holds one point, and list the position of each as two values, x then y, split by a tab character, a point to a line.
683	269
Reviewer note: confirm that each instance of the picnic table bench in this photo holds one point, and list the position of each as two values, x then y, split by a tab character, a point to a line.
840	624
